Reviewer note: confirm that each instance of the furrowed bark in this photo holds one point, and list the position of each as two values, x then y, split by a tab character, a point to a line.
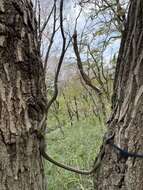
22	98
115	171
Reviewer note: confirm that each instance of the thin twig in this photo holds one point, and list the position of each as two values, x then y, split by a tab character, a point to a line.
55	94
51	40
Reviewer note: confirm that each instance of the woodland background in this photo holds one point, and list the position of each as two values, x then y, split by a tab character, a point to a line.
77	117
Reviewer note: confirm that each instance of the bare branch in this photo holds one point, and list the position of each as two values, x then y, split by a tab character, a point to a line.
77	18
115	13
41	29
80	67
55	94
48	18
51	40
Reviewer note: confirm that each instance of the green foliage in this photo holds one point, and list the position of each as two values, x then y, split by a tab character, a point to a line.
75	138
78	147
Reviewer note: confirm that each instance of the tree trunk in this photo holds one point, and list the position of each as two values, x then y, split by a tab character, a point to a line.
117	172
22	92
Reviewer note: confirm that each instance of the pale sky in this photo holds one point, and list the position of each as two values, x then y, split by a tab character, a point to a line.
71	12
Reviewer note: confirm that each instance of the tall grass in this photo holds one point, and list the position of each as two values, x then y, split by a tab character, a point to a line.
78	147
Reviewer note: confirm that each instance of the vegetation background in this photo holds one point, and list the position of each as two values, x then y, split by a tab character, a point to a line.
82	89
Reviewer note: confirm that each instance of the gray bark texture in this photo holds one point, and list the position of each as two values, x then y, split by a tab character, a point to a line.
22	102
115	171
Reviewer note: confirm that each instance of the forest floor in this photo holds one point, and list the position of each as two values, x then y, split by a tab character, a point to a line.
76	146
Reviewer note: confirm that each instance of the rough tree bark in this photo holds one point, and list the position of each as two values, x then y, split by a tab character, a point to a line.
115	171
22	102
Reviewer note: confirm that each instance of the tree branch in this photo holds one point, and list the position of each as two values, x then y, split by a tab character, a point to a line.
80	67
55	94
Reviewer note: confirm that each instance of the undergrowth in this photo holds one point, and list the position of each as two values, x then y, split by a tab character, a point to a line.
76	146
